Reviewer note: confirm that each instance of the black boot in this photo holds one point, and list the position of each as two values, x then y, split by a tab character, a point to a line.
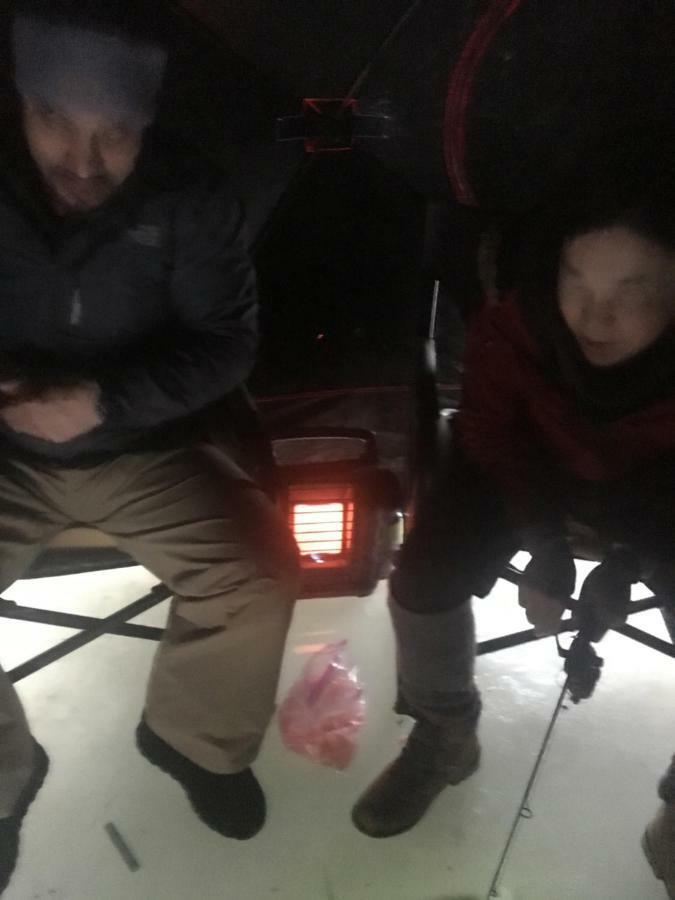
232	805
10	828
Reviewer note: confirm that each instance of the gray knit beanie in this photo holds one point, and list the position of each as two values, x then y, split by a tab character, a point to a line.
78	69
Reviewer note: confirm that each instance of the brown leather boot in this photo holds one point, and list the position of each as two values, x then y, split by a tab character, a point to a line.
658	843
433	758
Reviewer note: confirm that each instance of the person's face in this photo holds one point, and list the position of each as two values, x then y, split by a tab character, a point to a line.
616	292
82	158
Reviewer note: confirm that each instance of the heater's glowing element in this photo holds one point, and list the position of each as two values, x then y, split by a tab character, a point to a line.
322	520
319	528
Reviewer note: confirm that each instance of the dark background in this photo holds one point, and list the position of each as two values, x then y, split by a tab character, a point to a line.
342	242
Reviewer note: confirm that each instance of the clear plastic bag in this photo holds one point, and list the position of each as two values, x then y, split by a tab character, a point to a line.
324	710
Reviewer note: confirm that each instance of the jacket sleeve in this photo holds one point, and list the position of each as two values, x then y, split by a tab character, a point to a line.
211	345
494	432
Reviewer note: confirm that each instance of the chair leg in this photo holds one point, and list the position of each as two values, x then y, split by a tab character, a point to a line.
668	612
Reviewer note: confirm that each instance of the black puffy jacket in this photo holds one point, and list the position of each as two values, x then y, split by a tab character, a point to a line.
153	296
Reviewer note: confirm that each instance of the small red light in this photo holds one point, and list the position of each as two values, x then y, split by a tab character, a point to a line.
329	124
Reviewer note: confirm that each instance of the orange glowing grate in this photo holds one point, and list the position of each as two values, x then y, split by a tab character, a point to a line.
322	519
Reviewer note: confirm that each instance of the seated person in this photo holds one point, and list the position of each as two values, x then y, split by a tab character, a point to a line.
128	312
568	410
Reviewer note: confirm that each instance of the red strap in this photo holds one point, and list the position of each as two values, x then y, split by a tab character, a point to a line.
460	91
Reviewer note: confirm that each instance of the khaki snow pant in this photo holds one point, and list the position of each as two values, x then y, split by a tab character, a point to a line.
212	689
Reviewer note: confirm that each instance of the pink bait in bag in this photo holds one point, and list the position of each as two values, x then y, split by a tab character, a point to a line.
324	710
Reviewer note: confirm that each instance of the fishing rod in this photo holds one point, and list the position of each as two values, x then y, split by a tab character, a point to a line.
582	668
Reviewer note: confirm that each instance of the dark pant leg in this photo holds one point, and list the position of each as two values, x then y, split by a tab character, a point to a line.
457	548
459	544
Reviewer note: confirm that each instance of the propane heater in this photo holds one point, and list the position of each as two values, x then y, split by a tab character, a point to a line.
342	508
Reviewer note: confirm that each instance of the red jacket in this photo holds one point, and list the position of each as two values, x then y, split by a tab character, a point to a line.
529	436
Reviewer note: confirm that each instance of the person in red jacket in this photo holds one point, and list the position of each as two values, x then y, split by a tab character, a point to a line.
567	413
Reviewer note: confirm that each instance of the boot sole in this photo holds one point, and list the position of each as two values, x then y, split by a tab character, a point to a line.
466	772
651	859
33	788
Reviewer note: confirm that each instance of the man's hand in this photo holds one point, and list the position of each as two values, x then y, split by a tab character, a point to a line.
58	414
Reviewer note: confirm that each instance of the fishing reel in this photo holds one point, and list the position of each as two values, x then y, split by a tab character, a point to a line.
604	603
583	667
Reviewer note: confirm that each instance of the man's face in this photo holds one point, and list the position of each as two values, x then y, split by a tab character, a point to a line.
616	292
82	158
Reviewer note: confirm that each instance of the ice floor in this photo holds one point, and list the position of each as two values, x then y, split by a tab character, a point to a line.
595	792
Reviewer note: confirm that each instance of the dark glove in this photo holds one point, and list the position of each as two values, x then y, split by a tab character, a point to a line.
605	595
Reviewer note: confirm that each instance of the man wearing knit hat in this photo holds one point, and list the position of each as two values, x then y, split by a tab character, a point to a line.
128	311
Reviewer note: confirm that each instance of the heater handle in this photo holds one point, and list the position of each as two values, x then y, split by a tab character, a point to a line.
368	457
